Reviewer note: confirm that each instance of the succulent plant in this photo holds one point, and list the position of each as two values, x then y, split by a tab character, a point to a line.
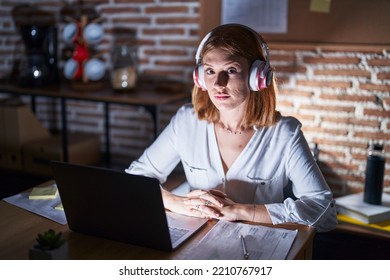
49	240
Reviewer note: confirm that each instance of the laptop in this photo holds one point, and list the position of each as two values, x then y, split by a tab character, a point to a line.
119	206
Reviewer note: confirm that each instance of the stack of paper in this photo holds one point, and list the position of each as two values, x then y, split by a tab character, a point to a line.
353	206
47	192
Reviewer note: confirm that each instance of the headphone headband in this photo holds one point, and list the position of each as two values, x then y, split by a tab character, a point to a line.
263	44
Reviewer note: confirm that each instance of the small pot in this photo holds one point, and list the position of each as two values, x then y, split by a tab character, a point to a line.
60	253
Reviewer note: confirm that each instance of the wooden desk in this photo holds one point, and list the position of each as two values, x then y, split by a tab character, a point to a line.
363	230
149	95
18	229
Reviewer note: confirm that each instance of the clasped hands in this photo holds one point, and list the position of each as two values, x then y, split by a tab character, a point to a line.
210	204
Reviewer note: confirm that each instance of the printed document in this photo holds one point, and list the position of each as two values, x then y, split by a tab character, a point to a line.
223	242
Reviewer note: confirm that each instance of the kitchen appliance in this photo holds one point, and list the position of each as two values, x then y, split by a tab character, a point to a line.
38	66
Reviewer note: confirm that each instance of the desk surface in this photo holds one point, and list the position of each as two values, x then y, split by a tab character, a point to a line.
146	93
365	230
18	229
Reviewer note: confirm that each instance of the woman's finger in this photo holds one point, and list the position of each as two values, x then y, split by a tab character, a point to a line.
218	193
196	193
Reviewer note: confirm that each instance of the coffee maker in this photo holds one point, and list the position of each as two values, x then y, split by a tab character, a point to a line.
38	65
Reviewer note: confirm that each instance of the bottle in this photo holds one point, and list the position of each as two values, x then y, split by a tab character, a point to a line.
124	74
375	169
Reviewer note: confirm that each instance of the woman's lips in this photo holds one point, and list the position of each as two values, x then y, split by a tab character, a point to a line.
221	96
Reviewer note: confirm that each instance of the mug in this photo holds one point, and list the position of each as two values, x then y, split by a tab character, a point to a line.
93	33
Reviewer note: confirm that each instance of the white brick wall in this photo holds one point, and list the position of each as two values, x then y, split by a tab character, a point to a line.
341	94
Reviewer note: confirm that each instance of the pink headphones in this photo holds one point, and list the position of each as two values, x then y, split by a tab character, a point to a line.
260	72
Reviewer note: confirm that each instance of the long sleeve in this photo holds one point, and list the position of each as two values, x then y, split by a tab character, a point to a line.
314	205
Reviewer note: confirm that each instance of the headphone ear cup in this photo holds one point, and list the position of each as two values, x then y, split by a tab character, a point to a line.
260	75
198	76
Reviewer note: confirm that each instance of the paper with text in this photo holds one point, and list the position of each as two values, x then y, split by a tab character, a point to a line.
264	16
262	243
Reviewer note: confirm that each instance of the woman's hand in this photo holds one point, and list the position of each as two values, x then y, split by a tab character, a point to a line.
214	203
197	203
204	203
232	211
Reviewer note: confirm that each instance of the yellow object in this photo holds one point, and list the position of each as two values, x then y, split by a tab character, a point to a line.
49	192
59	207
322	6
382	225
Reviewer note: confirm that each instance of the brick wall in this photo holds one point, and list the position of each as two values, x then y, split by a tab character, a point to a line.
341	94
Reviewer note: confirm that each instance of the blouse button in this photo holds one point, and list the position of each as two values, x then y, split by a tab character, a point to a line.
262	183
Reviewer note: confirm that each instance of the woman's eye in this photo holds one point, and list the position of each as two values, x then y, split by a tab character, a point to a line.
231	71
209	71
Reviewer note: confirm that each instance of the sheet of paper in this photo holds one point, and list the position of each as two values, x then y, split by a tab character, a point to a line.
42	207
264	16
320	6
223	242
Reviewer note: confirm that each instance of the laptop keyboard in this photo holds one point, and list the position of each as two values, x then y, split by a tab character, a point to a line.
177	233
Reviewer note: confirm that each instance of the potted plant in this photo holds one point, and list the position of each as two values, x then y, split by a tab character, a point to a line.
50	246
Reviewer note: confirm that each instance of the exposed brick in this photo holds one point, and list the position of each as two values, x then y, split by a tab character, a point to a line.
121	10
375	87
378	62
348	97
163	31
326	130
330	84
377	113
328	108
344	72
383	76
179	43
175	62
373	135
378	50
290	46
165	52
166	9
177	20
295	93
143	20
351	121
285	103
338	166
331	60
282	58
303	117
339	143
331	153
290	69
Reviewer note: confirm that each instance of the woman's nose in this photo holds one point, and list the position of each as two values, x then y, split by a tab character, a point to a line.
221	79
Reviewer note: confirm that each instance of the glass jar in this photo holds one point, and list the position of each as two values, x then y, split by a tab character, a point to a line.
375	169
124	74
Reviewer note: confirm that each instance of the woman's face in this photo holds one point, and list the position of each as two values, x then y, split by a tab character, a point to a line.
226	78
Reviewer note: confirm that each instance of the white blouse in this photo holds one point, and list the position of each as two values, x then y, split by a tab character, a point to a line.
275	157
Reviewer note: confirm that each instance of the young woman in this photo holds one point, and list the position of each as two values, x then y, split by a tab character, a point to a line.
239	154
